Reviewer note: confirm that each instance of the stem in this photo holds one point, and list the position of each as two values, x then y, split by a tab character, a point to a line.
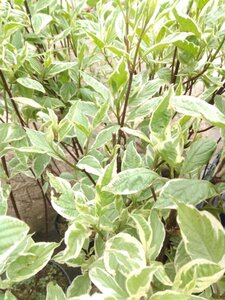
107	59
217	290
22	122
189	6
154	194
68	151
4	164
173	65
79	145
131	72
205	129
207	63
45	200
218	49
38	46
73	47
27	9
75	147
127	98
6	108
72	166
127	95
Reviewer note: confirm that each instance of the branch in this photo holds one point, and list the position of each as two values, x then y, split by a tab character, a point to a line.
207	63
76	160
5	85
127	95
4	164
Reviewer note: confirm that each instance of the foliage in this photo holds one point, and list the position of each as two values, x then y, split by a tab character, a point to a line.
120	92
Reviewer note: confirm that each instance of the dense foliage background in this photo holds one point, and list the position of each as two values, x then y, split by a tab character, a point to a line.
127	96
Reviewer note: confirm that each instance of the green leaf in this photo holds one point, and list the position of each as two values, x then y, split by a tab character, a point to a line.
105	135
65	204
31	84
197	275
144	232
137	133
8	296
97	86
172	295
187	46
119	52
144	110
195	107
220	103
63	34
201	3
103	198
181	257
11	27
12	234
75	237
187	23
199	153
96	39
162	115
157	236
132	158
49	102
91	165
119	76
40	163
40	21
27	101
106	283
55	292
59	67
123	253
138	284
203	234
170	39
73	117
161	274
131	181
4	195
145	92
42	4
10	132
100	115
171	148
80	285
40	142
188	191
28	264
67	91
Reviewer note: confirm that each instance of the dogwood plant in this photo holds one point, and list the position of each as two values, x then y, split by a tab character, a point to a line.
129	97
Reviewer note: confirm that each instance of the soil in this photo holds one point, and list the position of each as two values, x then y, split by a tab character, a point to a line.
35	288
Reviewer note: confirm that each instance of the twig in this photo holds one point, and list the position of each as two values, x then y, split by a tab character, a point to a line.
127	95
154	194
79	145
205	129
22	122
207	63
4	164
76	160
